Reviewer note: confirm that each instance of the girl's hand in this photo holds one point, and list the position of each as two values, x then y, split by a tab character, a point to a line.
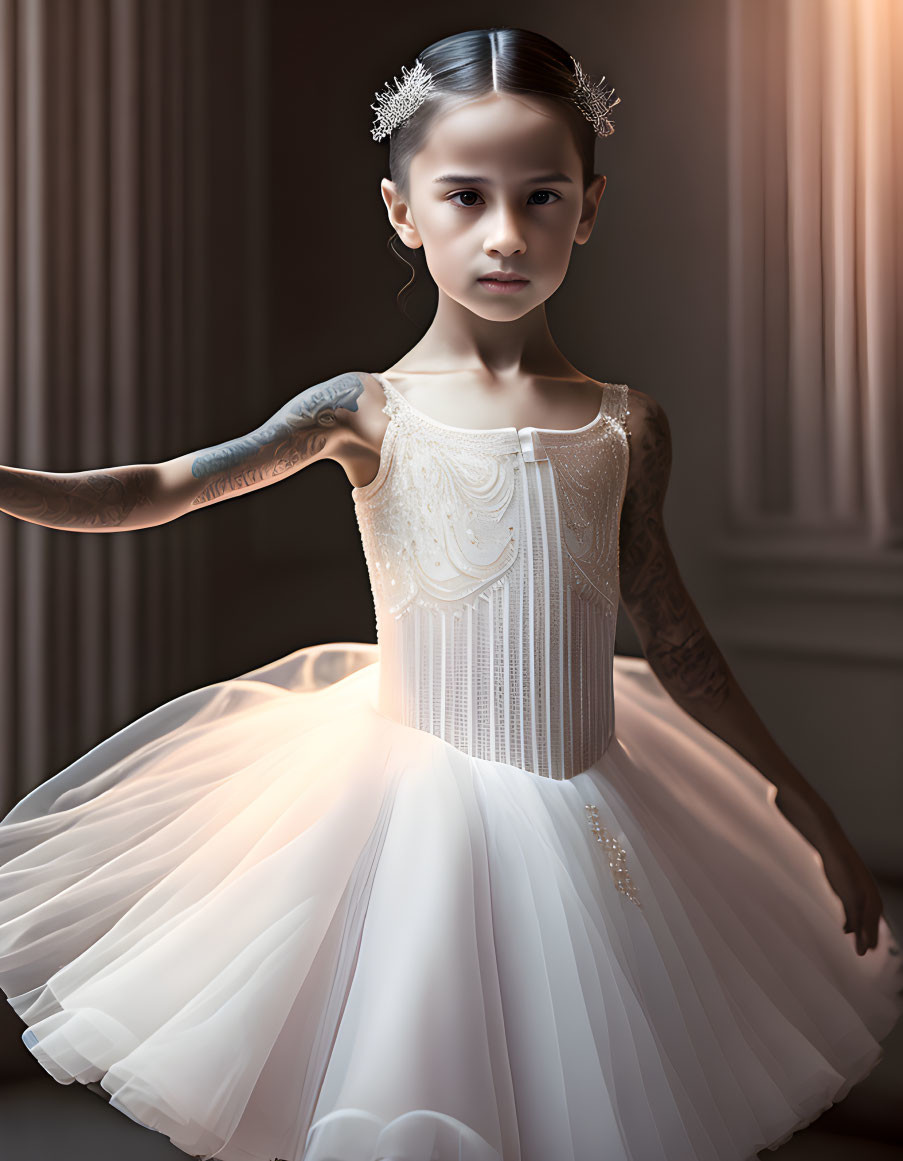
854	885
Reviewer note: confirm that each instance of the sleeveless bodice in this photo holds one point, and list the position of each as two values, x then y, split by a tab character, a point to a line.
493	562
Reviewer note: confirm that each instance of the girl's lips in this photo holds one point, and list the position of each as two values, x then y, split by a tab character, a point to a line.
508	286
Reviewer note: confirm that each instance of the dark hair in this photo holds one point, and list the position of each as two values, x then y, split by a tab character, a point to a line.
480	61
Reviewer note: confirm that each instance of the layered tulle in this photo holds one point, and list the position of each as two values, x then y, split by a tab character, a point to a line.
271	922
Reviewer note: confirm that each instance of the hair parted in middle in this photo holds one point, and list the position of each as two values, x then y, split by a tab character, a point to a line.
471	64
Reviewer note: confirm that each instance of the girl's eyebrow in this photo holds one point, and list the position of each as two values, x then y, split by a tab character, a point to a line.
464	179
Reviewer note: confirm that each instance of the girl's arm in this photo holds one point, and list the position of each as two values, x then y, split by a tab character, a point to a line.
685	658
310	427
678	646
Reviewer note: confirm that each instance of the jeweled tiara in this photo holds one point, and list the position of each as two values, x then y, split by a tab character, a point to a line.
395	105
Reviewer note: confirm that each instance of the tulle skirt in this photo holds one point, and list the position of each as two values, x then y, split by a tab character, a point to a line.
269	922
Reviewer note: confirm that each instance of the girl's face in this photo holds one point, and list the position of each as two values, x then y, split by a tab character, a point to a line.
497	186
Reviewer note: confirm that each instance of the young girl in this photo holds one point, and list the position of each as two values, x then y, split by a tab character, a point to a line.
483	891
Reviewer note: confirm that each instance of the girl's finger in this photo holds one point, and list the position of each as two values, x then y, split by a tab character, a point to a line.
868	934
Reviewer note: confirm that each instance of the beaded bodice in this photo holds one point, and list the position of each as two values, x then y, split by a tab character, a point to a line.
493	561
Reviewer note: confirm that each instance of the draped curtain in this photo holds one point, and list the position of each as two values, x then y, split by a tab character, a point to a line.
105	284
816	270
810	563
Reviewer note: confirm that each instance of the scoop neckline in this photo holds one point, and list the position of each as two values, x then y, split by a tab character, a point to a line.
518	431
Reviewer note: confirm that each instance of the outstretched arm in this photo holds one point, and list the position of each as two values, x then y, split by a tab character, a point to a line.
684	656
105	500
310	427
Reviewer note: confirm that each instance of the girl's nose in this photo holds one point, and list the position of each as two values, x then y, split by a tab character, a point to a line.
504	235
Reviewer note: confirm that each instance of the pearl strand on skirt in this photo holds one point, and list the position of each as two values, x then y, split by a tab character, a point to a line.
617	856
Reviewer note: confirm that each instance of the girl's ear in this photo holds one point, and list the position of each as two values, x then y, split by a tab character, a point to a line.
400	214
591	200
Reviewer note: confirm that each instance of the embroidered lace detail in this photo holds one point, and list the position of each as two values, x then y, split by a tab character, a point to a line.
449	525
590	501
493	560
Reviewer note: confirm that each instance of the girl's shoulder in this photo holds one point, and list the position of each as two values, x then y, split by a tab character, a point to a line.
366	419
645	412
649	438
364	425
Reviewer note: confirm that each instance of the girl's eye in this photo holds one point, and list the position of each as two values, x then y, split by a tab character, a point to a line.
467	193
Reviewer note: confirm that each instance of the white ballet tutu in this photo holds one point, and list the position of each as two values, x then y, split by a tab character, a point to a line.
270	922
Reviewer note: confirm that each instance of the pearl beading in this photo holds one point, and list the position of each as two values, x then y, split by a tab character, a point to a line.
617	856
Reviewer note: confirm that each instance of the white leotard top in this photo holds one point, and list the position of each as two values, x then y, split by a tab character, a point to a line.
493	562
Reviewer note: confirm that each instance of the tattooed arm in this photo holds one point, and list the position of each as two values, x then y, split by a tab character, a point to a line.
681	652
312	426
93	501
678	646
308	428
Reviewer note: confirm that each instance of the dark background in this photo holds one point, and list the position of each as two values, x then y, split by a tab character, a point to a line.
293	284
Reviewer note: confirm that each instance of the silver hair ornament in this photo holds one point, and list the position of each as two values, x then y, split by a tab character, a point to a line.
593	101
395	106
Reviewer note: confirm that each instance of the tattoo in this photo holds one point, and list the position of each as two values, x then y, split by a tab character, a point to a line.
677	644
79	500
695	667
294	435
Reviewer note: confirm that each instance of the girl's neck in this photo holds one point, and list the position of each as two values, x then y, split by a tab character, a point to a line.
459	341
